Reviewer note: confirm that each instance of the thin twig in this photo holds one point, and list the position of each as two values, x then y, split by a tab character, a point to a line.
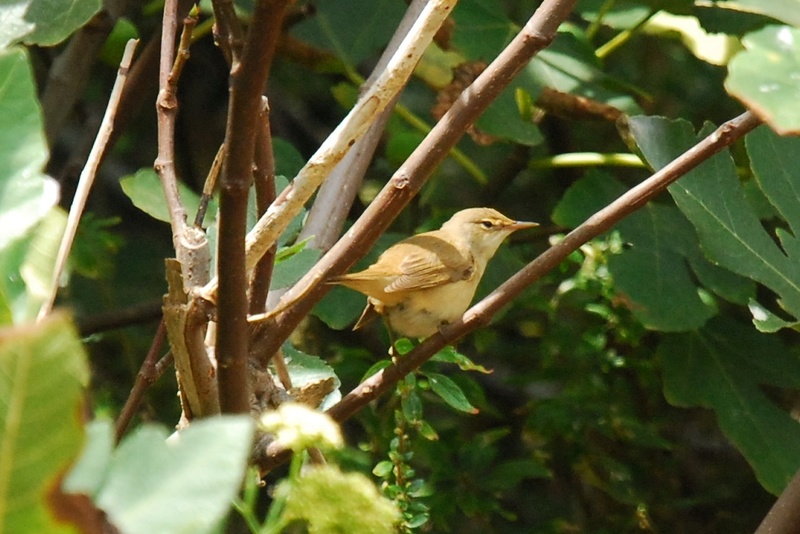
264	181
481	313
409	178
144	379
87	179
113	319
209	185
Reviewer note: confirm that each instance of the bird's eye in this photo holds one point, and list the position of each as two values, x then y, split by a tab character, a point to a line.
487	224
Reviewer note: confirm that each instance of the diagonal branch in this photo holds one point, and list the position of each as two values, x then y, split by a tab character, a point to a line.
409	178
481	313
86	179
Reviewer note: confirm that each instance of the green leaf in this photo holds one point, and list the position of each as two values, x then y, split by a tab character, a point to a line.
482	29
43	22
508	474
383	469
657	271
351	30
766	321
189	481
450	355
411	404
339	308
503	118
292	268
95	246
785	10
26	194
765	77
145	191
711	197
450	392
721	367
89	472
305	369
27	269
775	161
43	371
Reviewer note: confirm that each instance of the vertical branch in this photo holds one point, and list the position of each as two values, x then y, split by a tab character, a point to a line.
247	83
167	109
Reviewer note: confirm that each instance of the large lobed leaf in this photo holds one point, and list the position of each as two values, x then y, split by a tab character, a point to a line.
711	197
721	367
43	22
765	76
43	370
663	269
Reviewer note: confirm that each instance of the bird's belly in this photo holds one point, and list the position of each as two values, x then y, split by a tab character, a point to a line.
422	312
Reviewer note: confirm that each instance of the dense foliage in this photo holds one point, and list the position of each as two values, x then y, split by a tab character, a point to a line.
647	382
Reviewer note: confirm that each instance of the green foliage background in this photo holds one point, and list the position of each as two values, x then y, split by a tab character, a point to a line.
647	384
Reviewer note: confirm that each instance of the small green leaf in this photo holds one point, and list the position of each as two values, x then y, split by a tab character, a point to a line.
145	191
450	392
412	407
375	367
383	469
450	355
426	431
305	368
766	321
291	268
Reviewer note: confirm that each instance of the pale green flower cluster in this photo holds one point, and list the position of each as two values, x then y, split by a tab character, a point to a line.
328	500
298	427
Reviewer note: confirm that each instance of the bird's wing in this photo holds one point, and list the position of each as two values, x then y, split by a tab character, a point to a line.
422	268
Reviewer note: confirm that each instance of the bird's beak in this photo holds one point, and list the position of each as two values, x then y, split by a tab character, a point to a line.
521	225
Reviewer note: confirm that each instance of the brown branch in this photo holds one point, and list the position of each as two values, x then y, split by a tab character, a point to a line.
145	378
481	313
228	32
113	319
69	74
409	178
247	84
784	516
167	110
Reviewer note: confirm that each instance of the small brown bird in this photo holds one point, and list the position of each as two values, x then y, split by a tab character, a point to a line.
429	280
